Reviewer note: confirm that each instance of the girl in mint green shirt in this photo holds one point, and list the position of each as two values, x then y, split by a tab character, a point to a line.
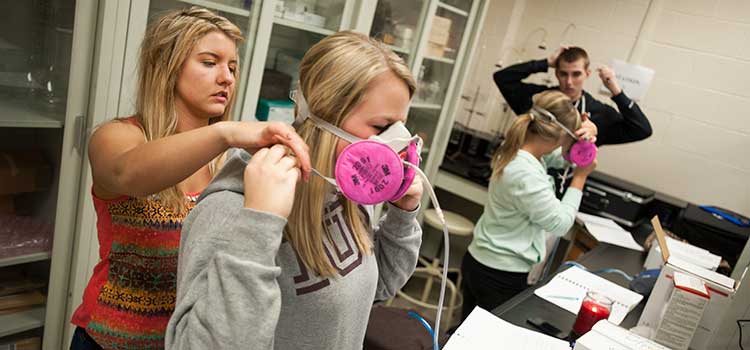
522	208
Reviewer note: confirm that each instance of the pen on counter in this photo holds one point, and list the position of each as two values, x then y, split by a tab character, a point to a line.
564	297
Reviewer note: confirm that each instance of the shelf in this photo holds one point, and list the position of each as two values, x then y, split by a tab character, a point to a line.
14	114
302	26
21	321
440	59
424	105
218	7
23	259
453	9
399	49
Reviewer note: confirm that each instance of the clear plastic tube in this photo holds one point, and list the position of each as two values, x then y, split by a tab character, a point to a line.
446	243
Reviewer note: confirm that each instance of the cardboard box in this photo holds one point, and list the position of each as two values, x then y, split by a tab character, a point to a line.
683	311
581	242
721	290
729	333
24	171
606	335
22	285
435	50
14	280
34	343
389	39
441	30
684	251
21	300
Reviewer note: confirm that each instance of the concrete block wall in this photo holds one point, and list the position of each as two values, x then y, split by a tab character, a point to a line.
698	104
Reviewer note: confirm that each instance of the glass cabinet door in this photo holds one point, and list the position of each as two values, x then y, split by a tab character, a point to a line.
297	25
35	47
397	24
236	11
321	16
443	41
36	42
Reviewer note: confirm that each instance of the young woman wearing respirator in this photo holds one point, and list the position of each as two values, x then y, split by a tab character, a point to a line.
522	208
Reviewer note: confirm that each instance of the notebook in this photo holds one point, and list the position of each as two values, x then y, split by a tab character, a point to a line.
605	335
568	288
482	330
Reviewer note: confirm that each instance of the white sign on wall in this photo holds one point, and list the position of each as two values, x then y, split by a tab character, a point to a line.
633	79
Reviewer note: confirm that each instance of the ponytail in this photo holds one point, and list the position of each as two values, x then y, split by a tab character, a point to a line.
514	139
551	101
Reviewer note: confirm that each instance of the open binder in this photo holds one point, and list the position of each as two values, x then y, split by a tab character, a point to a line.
568	288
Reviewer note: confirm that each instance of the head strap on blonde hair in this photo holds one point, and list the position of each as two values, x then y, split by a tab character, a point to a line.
545	114
303	112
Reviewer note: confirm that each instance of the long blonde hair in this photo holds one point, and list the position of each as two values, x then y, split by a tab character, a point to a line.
168	42
525	125
334	76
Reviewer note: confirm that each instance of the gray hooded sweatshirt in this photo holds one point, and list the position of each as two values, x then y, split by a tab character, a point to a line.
241	286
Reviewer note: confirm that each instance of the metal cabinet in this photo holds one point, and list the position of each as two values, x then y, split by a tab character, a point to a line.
45	68
286	30
435	37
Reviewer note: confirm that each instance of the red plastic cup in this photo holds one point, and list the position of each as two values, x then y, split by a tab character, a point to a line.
595	307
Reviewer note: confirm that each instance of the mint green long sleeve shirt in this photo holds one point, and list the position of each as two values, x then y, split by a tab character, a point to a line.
522	209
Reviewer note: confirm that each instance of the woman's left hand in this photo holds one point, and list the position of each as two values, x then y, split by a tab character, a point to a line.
412	197
588	129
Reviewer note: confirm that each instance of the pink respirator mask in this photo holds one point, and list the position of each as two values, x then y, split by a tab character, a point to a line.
379	169
582	153
374	170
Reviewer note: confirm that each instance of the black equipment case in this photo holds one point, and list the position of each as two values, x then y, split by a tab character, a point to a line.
624	202
711	232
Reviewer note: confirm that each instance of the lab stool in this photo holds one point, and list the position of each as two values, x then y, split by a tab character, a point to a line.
458	226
